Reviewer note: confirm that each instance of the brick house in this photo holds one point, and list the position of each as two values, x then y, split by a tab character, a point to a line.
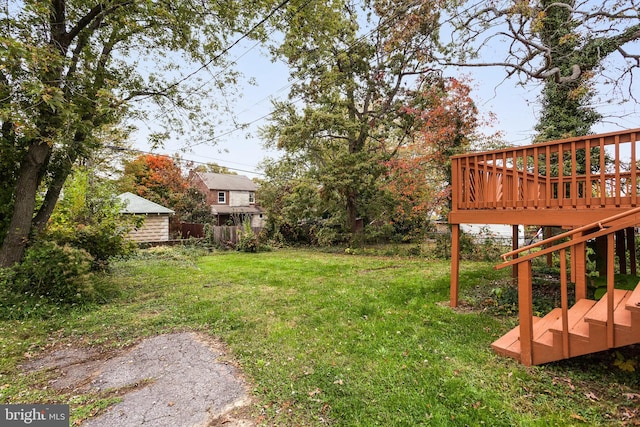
155	227
232	198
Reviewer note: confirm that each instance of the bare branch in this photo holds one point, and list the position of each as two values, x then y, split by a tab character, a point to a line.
599	31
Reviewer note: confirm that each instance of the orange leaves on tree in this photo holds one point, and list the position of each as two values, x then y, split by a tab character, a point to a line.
156	177
419	174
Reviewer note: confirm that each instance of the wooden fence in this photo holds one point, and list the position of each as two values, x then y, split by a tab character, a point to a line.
224	235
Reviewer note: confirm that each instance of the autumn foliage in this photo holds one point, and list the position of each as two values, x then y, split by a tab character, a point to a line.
419	174
155	177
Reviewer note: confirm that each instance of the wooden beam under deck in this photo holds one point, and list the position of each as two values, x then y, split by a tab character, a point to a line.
568	218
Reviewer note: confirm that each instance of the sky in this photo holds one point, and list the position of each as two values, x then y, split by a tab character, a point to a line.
514	106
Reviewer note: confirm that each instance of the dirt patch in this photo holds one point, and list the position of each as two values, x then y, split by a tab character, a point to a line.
181	379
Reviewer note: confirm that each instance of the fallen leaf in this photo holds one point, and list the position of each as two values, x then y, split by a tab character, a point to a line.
591	396
315	392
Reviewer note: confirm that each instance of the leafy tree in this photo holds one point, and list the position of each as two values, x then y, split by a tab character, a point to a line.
71	69
292	200
352	69
566	44
566	104
192	207
419	176
155	177
214	168
88	217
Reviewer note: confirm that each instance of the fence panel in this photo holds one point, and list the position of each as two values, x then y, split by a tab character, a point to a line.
224	235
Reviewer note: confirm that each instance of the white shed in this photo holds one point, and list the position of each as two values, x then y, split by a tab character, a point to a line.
155	227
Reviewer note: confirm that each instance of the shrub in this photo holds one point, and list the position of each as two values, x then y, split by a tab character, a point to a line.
58	273
102	241
247	239
88	217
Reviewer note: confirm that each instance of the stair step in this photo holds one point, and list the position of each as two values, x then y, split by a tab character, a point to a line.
509	344
621	317
633	303
541	328
576	323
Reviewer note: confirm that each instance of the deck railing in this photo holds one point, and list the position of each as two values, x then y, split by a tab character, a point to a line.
591	171
577	238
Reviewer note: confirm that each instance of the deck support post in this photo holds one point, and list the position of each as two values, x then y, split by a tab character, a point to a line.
631	246
621	250
579	267
525	312
455	264
610	288
514	247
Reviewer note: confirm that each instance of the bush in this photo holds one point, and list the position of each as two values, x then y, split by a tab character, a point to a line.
50	278
58	273
247	239
487	249
88	217
101	241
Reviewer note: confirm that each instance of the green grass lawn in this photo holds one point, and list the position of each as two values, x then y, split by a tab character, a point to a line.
349	340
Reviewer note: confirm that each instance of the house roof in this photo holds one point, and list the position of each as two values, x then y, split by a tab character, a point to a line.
139	205
221	181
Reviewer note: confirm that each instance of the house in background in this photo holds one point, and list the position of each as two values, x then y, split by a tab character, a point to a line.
155	227
232	198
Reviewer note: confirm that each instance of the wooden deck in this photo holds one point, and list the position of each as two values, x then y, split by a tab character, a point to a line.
588	186
554	183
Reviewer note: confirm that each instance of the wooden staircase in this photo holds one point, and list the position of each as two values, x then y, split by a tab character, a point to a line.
588	326
587	331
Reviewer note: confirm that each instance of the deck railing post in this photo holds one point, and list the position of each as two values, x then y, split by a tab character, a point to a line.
610	288
579	264
564	302
525	309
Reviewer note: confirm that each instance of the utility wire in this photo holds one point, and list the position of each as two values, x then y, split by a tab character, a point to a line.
228	48
380	25
180	158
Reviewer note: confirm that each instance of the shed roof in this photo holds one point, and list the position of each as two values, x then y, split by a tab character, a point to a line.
222	181
135	204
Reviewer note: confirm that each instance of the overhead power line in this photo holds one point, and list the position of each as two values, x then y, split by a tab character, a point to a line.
383	23
228	48
182	159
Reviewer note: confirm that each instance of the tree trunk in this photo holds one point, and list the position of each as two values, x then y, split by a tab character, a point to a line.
25	192
49	203
53	193
352	212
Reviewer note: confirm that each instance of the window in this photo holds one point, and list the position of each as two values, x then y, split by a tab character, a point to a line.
222	197
252	197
